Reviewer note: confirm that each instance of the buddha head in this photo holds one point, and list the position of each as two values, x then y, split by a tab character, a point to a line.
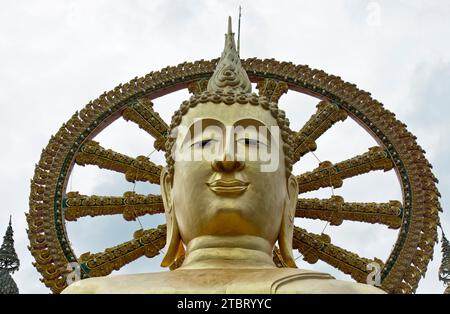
229	165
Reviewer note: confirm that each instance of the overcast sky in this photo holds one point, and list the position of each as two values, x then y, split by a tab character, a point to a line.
57	55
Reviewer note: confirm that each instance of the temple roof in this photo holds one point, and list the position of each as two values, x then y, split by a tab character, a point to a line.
9	262
8	255
7	284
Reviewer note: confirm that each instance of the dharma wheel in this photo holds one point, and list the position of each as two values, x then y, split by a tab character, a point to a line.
414	216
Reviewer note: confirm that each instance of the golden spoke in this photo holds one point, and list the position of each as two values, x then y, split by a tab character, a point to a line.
335	210
272	89
198	87
131	205
328	174
314	247
326	116
146	118
148	243
139	168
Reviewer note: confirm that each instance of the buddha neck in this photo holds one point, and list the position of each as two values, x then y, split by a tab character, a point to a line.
228	252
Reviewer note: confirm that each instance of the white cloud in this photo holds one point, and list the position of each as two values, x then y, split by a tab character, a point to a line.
55	56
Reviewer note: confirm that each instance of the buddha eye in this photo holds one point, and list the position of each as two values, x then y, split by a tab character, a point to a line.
251	142
203	143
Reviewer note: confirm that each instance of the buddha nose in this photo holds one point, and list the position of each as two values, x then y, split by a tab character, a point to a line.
227	164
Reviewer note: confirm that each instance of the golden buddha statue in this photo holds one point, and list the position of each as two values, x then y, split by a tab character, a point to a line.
225	211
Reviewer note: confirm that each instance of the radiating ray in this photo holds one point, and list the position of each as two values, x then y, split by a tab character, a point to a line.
142	113
272	89
328	174
335	210
326	116
135	169
147	243
314	247
131	205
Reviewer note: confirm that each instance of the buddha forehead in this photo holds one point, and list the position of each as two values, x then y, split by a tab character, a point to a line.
228	115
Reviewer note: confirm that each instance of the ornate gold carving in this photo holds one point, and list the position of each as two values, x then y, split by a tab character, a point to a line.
315	247
146	118
328	174
148	243
326	116
139	168
198	87
335	210
229	74
272	89
131	205
413	249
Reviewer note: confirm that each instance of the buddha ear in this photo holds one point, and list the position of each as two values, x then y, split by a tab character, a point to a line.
287	222
173	240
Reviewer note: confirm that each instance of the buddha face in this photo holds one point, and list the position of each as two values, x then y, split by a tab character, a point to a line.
221	184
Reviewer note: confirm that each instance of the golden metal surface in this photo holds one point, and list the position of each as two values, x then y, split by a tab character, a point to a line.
148	243
305	140
131	205
336	210
328	174
225	213
198	87
411	253
135	169
146	118
314	247
272	89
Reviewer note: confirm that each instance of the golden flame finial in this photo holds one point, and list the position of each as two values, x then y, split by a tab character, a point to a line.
229	74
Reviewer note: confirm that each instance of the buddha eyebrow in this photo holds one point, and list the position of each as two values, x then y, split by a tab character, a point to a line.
254	123
204	124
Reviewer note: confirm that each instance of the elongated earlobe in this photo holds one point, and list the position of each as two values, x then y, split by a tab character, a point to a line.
173	240
287	223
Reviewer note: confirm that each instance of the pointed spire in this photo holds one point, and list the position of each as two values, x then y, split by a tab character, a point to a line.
444	269
8	256
229	74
